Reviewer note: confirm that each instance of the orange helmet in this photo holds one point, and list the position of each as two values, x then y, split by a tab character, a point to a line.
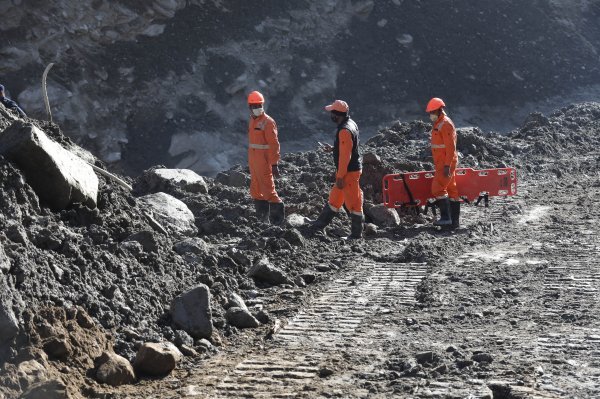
255	98
435	104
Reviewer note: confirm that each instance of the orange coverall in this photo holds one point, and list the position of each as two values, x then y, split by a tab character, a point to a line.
443	149
351	194
263	153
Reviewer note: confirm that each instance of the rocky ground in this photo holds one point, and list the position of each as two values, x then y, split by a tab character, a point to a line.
507	305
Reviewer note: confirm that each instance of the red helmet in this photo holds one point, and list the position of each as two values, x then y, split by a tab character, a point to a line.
255	98
435	104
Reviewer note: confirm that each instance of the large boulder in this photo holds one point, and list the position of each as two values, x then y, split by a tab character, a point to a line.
51	389
170	212
188	180
383	216
191	312
56	175
114	370
157	359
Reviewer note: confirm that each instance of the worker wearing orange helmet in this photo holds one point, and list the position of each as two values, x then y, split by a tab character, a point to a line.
445	159
263	156
348	163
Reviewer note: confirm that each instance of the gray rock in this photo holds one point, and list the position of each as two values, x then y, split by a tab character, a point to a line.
16	233
52	389
296	220
482	357
114	370
233	178
191	312
294	237
56	175
4	261
370	229
157	359
236	301
188	180
383	216
424	357
194	245
241	318
147	239
264	271
170	212
183	339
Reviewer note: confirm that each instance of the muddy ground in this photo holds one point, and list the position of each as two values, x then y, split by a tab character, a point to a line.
505	307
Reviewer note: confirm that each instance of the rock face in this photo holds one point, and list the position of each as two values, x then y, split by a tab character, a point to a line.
114	370
157	359
383	216
191	312
57	176
188	180
170	212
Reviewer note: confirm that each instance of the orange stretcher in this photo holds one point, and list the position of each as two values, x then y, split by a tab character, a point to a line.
414	188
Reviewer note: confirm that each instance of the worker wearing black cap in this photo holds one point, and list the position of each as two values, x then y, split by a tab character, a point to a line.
10	104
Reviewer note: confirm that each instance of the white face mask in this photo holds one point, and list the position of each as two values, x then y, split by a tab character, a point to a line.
257	111
433	117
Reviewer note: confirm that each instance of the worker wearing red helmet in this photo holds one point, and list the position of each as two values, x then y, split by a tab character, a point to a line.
263	156
445	159
348	162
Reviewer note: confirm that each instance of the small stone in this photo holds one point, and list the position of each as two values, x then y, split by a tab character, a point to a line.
370	229
482	357
236	301
188	351
325	372
241	318
321	267
383	216
264	271
424	357
114	370
157	359
461	364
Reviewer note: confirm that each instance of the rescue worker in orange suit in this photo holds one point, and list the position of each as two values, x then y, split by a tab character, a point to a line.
263	156
348	163
445	159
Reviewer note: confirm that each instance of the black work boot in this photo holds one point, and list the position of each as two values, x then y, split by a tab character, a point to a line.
357	226
277	213
262	210
444	220
326	216
455	214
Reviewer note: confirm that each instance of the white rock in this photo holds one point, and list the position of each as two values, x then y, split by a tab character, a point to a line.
170	212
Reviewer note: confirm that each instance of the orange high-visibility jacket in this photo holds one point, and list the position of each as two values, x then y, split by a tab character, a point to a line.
262	138
443	143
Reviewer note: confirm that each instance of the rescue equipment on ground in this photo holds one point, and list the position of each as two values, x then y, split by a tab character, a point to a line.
413	189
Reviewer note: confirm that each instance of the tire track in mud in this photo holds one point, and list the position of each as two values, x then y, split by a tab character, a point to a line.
566	344
330	324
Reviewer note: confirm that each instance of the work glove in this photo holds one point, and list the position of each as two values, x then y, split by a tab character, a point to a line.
339	183
275	170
